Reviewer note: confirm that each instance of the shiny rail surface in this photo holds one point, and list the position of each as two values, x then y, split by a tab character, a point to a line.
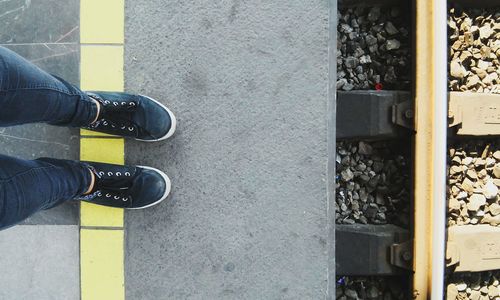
430	149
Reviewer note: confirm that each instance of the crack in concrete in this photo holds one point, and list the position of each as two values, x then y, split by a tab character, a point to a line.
66	146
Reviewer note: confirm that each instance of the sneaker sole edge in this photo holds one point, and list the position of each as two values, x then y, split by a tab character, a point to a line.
173	122
168	184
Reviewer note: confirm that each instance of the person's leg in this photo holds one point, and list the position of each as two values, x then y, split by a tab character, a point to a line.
28	186
28	95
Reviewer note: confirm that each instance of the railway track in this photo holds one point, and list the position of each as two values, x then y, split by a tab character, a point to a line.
418	150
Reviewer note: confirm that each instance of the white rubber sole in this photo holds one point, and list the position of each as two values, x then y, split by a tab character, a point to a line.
173	122
168	185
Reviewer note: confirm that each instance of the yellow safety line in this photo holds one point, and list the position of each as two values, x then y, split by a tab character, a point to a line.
101	228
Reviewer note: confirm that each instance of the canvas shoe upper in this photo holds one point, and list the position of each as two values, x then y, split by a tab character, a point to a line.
135	116
130	187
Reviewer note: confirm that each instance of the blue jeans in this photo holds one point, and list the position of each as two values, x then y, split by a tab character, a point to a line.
28	95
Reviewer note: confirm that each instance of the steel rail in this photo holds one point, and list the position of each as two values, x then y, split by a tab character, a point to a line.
430	149
440	65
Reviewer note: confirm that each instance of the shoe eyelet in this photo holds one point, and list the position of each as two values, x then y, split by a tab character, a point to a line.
124	199
115	103
131	129
108	195
113	126
99	194
127	174
105	123
123	103
118	174
106	102
131	104
123	127
110	173
116	197
101	173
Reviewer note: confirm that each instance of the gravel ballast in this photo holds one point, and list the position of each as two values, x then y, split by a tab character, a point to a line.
474	39
473	182
373	49
474	286
371	288
474	165
372	178
372	183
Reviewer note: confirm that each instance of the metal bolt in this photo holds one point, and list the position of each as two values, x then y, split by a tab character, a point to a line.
409	113
406	255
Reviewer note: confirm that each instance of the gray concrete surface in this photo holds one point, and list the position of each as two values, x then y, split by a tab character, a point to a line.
248	81
332	146
40	21
32	29
40	262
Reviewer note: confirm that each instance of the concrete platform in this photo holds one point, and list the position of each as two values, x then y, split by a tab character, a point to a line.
247	218
248	215
40	262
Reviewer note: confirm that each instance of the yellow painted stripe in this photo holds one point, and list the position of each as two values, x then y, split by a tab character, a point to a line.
102	150
101	22
85	132
96	215
101	69
107	151
101	262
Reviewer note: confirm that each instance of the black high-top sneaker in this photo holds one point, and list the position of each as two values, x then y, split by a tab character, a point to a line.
135	116
127	186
